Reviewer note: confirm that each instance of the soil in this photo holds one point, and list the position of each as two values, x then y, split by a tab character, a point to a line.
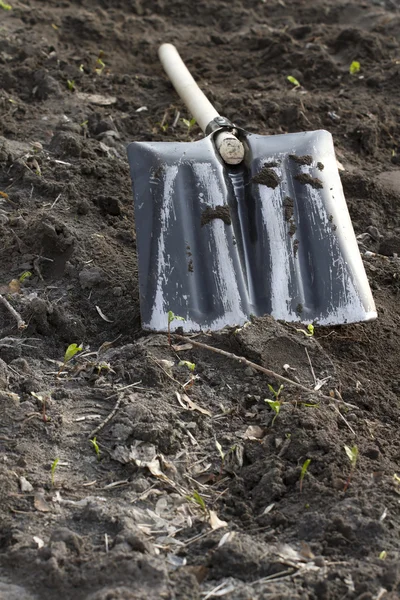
193	488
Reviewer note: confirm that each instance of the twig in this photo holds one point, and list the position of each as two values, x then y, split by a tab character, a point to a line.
106	420
344	419
21	323
311	367
257	367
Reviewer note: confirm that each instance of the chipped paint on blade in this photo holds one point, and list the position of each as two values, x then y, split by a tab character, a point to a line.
253	253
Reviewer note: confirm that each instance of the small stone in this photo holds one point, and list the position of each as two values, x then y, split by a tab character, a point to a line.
25	485
118	291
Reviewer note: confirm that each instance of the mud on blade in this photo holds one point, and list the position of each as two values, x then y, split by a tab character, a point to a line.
271	236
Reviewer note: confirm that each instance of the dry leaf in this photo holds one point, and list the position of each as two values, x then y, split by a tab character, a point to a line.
227	537
40	503
14	287
193	406
103	316
215	522
254	432
200	572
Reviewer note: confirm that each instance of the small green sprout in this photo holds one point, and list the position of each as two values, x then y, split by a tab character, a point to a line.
100	66
53	470
71	85
81	68
354	67
95	446
69	354
383	555
189	124
24	276
277	392
172	317
293	80
197	499
163	126
5	6
185	363
309	332
352	455
304	469
220	451
396	478
275	406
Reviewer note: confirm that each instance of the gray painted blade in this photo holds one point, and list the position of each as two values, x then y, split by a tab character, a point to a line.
271	236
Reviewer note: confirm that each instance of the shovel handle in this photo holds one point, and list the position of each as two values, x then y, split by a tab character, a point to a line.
230	148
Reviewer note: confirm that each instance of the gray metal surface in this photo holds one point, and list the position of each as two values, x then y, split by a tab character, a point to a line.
272	236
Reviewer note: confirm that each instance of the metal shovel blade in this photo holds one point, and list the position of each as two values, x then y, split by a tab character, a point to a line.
217	244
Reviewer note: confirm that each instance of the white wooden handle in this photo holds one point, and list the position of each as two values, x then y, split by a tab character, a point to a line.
230	148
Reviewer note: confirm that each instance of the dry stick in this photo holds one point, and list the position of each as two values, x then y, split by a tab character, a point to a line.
21	323
243	360
106	420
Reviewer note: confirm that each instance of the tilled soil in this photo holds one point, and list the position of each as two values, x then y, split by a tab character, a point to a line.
192	486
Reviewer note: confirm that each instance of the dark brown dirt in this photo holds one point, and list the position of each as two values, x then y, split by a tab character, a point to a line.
78	81
266	176
306	179
219	212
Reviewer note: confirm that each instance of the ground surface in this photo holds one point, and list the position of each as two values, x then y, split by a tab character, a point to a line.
120	526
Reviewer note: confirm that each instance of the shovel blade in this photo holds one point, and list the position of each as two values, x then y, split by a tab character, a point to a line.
217	244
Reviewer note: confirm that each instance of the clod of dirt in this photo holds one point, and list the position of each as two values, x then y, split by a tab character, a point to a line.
305	179
65	144
390	246
14	592
89	278
296	245
190	266
45	85
302	160
109	205
367	137
219	212
266	176
288	205
72	540
320	166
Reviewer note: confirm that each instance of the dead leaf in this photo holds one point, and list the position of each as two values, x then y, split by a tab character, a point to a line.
227	537
40	503
14	287
215	522
254	432
200	572
96	99
188	404
103	316
4	195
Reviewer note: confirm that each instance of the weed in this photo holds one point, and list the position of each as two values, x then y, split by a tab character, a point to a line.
275	405
172	317
5	6
293	80
53	470
354	67
100	66
95	446
71	85
276	393
304	469
352	455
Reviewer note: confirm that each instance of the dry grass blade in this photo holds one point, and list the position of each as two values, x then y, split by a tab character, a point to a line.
20	322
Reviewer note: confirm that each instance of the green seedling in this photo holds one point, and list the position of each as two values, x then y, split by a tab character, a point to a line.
69	354
189	124
172	317
5	6
309	332
293	80
163	126
81	68
71	85
383	555
304	469
352	455
185	363
197	499
275	405
100	65
354	67
277	392
396	478
53	470
24	276
95	446
220	451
